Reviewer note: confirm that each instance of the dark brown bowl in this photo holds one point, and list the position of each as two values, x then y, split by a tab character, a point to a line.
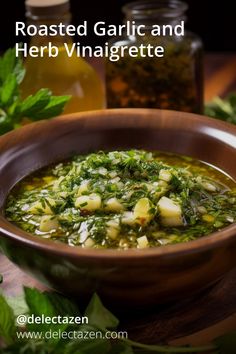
133	278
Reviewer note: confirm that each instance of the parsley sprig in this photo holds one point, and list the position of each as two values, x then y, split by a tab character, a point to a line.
14	109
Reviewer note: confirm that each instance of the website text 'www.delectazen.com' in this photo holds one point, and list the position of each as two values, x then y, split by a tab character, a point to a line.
60	334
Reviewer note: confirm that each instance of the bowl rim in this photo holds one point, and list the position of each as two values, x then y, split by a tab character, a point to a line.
213	240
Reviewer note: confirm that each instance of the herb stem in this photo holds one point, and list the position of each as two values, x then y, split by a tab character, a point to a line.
167	349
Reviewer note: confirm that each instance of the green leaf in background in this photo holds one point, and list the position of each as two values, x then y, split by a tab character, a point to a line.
10	64
53	108
13	109
7	321
99	316
62	305
5	123
9	90
226	344
35	103
38	303
224	109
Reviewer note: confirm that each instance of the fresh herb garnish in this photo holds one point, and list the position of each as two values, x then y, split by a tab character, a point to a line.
13	109
119	199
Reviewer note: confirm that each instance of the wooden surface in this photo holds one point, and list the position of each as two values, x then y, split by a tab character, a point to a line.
196	320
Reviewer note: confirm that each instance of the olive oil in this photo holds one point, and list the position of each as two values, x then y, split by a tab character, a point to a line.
62	74
65	76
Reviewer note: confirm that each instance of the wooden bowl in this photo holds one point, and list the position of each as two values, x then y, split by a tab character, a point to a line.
134	278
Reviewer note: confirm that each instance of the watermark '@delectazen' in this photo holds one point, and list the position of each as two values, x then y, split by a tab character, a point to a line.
22	320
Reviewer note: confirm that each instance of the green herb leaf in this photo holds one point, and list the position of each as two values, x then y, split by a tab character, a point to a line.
62	305
7	321
99	316
35	103
5	124
8	90
13	110
10	64
53	108
226	344
38	302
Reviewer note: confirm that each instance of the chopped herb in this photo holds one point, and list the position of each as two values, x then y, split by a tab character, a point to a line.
124	199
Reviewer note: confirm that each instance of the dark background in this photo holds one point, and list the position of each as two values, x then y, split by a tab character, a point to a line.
214	21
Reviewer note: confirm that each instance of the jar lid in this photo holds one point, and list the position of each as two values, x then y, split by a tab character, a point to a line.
47	8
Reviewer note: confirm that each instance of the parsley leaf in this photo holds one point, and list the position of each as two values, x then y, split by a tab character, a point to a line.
13	109
38	303
35	103
99	316
7	321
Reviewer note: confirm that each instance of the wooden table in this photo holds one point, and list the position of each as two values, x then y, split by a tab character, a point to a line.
193	321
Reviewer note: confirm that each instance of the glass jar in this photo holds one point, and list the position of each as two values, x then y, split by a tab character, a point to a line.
174	81
63	75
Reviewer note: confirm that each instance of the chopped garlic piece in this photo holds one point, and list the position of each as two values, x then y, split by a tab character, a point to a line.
48	223
142	242
102	171
170	212
83	232
230	219
165	175
89	243
83	187
113	174
114	223
128	218
57	183
39	207
63	194
142	213
172	221
113	204
209	186
112	232
89	202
